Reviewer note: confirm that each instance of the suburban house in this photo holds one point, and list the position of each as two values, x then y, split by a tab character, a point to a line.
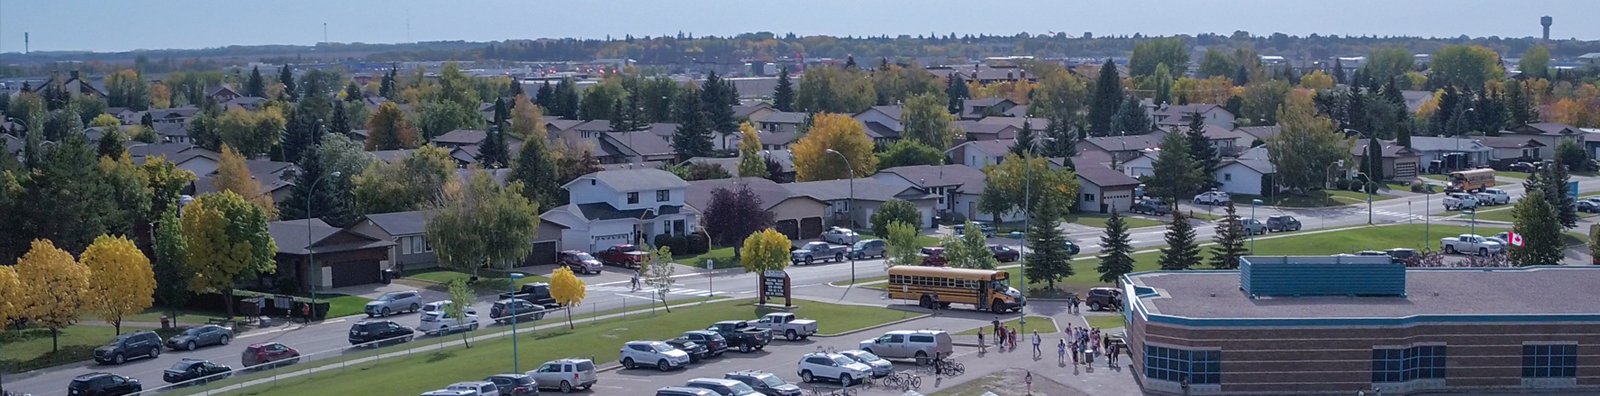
1260	133
1245	176
176	115
958	187
1228	142
1399	162
1443	154
866	195
980	153
1179	115
342	258
472	137
408	231
1548	133
246	103
972	109
75	85
1102	189
275	177
784	159
222	94
1120	148
882	123
633	147
984	74
977	130
750	112
778	121
797	216
1516	147
1143	165
626	206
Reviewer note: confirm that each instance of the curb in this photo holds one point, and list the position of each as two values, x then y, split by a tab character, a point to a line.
849	332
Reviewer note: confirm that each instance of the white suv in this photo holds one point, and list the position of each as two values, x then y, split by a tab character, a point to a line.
482	388
832	366
1212	198
436	322
1493	196
644	353
840	236
1459	201
565	374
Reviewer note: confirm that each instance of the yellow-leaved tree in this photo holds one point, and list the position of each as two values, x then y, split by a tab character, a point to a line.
56	286
11	295
121	281
232	175
567	289
838	132
763	251
227	242
751	162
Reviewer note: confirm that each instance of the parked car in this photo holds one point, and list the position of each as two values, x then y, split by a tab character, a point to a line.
565	375
1072	248
1371	253
480	388
868	248
832	366
921	345
1470	243
768	384
514	384
1253	226
437	323
1591	205
435	306
1153	207
647	353
715	344
685	391
1459	201
504	310
723	387
200	336
579	262
983	226
880	366
1493	196
130	345
378	332
537	293
1403	256
840	235
1282	223
270	353
1103	297
696	351
1004	253
626	256
792	327
818	250
103	384
740	334
187	369
1212	198
933	256
394	302
450	392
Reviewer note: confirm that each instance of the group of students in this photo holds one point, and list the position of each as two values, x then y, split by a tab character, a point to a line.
1081	341
1005	337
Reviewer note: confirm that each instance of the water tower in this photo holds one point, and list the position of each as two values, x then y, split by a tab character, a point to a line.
1545	21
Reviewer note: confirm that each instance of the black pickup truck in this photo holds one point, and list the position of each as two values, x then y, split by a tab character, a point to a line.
742	335
536	293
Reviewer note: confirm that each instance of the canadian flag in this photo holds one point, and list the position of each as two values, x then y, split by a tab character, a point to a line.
1515	239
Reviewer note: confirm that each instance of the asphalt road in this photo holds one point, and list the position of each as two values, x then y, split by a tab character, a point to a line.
611	291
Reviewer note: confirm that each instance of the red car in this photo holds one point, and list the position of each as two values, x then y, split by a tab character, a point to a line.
1004	253
627	256
271	354
933	257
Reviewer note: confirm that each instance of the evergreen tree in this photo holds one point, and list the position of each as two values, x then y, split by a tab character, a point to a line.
565	102
1520	109
1048	258
341	121
1182	251
256	86
1064	137
783	95
956	92
1537	223
850	62
717	99
1116	248
297	136
1204	154
516	88
1106	101
1024	144
387	84
1372	164
693	136
324	198
1355	111
172	278
1241	76
110	143
1338	71
1131	118
495	153
545	97
1552	182
1230	240
352	93
286	77
1175	174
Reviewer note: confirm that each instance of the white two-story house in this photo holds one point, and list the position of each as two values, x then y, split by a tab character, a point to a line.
624	206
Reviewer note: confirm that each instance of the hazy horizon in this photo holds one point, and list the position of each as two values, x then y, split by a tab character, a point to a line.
105	26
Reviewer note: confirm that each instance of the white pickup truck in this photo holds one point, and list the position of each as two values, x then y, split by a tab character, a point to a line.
1470	243
791	327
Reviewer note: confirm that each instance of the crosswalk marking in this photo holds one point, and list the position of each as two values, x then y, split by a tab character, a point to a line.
643	291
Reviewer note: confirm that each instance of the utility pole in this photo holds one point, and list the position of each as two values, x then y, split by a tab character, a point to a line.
324	32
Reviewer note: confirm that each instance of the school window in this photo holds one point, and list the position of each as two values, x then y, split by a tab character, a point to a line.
1406	364
663	195
633	198
1550	361
1172	364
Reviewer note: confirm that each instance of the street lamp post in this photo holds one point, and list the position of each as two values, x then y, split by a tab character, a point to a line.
311	255
516	367
1027	213
851	205
1253	204
1369	187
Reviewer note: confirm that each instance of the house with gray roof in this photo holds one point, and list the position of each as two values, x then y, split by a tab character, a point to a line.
1550	134
313	254
1180	115
980	153
1399	162
975	130
797	216
1441	154
865	196
958	187
1246	176
246	103
633	147
1120	148
784	159
1102	189
625	206
408	230
972	109
778	121
882	123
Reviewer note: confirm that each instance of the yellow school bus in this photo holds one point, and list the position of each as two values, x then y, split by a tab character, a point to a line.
984	290
1471	180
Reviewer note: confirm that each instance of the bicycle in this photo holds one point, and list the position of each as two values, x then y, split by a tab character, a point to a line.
949	368
903	381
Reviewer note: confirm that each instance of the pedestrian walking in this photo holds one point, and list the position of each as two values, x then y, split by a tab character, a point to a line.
1105	341
1075	353
1061	351
1000	337
1012	333
635	281
981	345
1036	340
996	324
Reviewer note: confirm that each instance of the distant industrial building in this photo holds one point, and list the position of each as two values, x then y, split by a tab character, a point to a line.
1342	325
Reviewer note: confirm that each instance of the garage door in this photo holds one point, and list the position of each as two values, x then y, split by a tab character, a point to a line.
544	252
1405	170
351	273
603	242
789	228
811	227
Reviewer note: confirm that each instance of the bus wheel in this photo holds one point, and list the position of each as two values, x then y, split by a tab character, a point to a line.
925	302
997	306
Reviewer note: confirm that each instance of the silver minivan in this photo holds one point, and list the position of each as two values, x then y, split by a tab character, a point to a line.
922	345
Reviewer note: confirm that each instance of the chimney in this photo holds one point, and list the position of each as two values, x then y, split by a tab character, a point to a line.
75	75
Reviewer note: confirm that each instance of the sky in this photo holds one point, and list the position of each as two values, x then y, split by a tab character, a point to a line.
104	25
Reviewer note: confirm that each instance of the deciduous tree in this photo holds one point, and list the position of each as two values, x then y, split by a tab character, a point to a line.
121	282
127	195
895	211
765	250
1015	178
55	287
227	242
567	289
462	297
658	269
834	90
1147	55
170	267
837	132
1463	66
900	245
1305	148
1116	248
751	162
233	176
483	224
734	214
970	250
410	183
1230	239
388	129
12	296
535	165
907	152
926	122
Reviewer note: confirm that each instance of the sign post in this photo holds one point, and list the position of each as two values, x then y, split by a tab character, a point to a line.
775	284
710	286
1572	190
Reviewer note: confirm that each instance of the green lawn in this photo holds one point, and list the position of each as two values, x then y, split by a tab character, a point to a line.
185	317
1504	214
1314	199
1513	175
1035	323
1099	220
30	349
433	370
1105	321
488	282
341	305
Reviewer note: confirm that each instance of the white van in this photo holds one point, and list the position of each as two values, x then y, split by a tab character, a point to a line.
922	345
